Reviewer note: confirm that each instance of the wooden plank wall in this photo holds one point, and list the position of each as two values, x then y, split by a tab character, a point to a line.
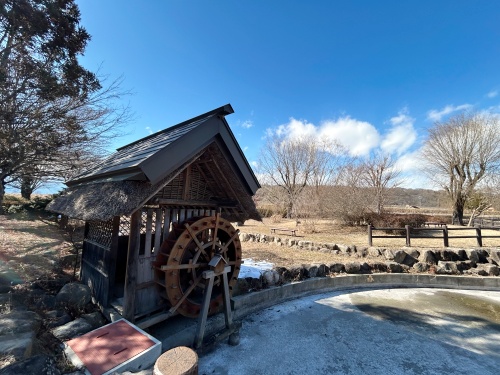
156	221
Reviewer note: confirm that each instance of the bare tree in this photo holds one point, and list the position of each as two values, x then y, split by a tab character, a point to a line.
289	164
460	152
381	175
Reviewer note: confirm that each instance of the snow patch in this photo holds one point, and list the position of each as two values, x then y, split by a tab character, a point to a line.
254	269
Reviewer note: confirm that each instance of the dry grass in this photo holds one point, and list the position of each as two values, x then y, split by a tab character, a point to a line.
328	231
31	247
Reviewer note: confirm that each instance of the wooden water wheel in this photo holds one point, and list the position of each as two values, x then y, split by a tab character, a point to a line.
185	255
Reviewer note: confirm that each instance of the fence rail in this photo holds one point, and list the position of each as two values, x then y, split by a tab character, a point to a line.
411	232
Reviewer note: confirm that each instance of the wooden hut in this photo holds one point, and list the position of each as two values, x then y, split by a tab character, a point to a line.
134	201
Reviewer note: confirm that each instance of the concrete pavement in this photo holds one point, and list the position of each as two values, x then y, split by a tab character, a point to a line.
387	331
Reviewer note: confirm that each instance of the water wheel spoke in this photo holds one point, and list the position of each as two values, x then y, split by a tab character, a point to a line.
217	217
226	245
186	266
186	294
199	245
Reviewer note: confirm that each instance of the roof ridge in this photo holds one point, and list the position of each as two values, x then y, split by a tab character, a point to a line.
224	111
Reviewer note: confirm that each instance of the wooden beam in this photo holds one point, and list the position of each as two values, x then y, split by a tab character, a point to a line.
180	202
187	182
134	244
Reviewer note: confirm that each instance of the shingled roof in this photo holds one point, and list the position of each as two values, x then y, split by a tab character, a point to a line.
136	172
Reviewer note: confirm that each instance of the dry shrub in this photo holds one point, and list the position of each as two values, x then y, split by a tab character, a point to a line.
276	219
309	226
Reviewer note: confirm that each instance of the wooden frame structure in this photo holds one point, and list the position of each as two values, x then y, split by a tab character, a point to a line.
131	200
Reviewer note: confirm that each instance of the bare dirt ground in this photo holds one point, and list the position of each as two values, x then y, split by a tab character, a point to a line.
328	231
34	247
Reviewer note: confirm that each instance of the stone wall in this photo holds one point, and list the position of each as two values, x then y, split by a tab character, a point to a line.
366	260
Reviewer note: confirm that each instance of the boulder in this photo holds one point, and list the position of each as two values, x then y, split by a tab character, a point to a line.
75	295
495	256
378	266
428	257
271	277
491	269
421	267
95	319
412	252
401	257
389	254
16	321
373	252
38	364
394	267
336	267
310	270
19	345
472	255
323	270
352	267
72	329
447	268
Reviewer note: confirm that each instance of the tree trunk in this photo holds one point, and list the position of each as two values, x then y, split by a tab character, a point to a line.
2	194
458	212
26	187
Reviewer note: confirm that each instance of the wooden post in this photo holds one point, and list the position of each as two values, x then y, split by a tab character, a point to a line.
408	238
113	253
445	236
370	238
478	235
134	244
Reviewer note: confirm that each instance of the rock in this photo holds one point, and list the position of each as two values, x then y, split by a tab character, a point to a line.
465	265
378	266
421	267
244	237
365	268
446	268
344	249
297	273
472	255
72	329
59	321
95	319
389	254
17	321
412	252
401	257
362	251
394	267
491	270
428	257
495	256
271	277
491	261
352	267
373	251
39	364
323	270
336	267
75	295
18	345
310	271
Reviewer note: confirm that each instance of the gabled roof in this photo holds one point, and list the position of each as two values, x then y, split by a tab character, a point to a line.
156	156
137	172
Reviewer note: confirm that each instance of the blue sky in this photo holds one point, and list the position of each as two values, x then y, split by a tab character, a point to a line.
371	74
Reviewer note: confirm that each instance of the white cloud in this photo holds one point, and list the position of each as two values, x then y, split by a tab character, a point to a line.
149	130
437	115
359	137
247	124
402	135
297	129
492	93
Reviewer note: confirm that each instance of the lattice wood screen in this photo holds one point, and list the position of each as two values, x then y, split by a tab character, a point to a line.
100	232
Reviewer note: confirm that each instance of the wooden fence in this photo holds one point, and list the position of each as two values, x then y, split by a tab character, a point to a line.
415	233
